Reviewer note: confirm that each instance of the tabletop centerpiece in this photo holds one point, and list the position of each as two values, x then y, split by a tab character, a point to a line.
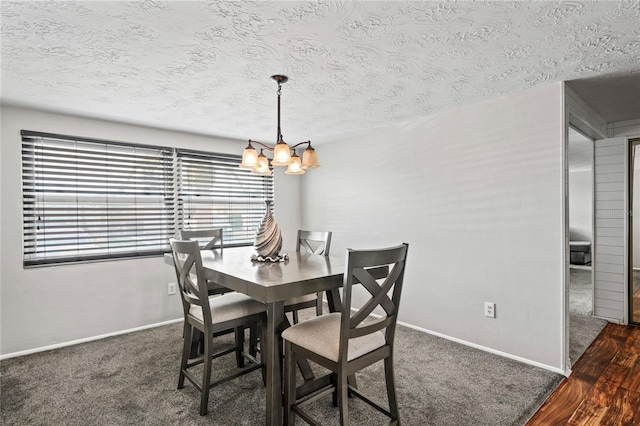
268	240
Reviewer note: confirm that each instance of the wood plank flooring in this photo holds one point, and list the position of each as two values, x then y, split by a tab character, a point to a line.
604	386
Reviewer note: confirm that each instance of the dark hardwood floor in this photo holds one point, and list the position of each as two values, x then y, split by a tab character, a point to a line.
604	386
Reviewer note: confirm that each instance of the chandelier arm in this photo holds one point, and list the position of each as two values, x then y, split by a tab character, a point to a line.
301	143
265	146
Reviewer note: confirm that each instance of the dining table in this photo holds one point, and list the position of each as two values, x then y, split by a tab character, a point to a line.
273	283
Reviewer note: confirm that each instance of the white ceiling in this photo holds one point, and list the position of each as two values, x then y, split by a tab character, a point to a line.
204	67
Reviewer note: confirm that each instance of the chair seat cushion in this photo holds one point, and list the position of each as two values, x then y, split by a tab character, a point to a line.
229	306
301	299
321	335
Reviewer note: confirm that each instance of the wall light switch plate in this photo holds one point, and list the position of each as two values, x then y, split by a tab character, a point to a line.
171	288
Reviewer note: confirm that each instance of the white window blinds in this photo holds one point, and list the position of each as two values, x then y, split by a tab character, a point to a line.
215	193
87	199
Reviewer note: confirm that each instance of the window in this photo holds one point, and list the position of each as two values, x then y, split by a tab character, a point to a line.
215	193
87	199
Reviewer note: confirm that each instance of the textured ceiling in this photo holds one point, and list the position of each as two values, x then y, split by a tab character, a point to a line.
204	67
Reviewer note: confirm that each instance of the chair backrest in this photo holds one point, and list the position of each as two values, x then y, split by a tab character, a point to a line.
188	265
314	242
363	267
208	238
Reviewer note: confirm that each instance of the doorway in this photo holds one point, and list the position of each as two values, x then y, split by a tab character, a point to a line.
583	327
634	231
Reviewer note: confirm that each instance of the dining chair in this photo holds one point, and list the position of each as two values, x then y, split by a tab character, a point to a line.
313	242
212	239
209	239
346	342
211	315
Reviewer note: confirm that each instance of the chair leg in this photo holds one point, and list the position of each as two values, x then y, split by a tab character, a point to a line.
239	335
391	389
289	384
253	339
319	304
206	376
334	383
187	333
295	316
197	344
343	398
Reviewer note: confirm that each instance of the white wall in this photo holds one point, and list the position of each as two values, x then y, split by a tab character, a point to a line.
477	193
611	227
581	205
52	305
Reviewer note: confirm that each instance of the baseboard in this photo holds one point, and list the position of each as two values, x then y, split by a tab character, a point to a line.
424	330
487	349
86	339
482	348
613	320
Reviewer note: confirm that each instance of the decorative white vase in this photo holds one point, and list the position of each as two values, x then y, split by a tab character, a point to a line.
268	238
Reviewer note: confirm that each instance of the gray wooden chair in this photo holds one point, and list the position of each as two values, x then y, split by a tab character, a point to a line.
211	315
208	239
212	239
316	243
344	342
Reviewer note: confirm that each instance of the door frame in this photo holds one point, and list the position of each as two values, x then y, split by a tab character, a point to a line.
628	311
586	121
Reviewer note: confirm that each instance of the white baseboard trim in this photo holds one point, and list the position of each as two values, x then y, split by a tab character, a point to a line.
482	348
613	320
424	330
486	349
86	339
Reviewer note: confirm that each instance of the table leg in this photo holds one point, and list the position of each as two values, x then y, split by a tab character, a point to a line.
275	325
333	300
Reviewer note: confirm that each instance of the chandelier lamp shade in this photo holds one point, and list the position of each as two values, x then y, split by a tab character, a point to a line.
283	154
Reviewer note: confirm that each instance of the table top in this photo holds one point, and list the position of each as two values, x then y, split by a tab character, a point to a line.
271	282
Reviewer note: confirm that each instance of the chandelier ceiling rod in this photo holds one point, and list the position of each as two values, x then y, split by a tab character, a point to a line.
279	79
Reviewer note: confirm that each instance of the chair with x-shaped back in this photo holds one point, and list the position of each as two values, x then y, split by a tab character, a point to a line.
313	242
211	315
212	239
346	342
208	239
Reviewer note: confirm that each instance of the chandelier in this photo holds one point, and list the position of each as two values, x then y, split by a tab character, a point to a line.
283	154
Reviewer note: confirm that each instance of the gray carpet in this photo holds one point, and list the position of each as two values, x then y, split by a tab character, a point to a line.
583	327
131	380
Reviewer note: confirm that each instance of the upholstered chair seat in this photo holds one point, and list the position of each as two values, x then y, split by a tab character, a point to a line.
229	307
321	335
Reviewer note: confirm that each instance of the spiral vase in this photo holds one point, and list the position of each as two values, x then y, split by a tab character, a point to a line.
268	238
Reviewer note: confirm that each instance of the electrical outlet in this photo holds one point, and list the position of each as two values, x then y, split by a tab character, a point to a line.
489	309
171	288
